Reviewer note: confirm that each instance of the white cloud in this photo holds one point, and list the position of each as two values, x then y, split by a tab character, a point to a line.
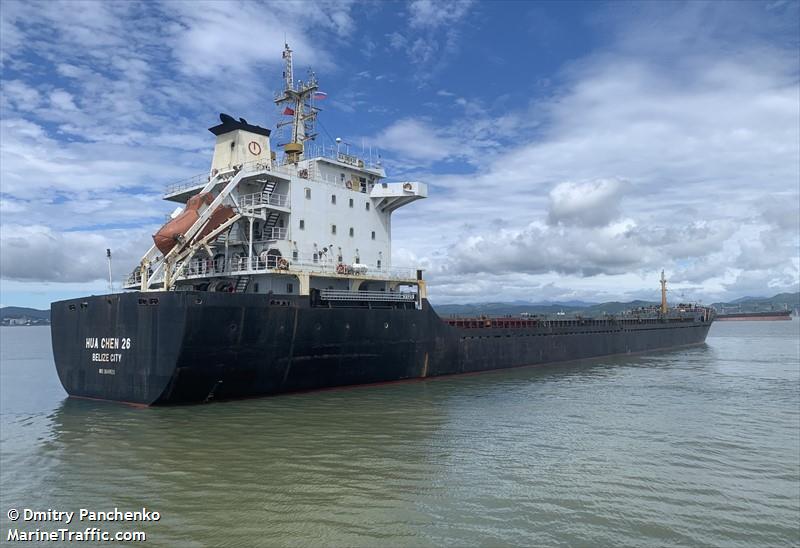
435	14
419	141
709	140
593	203
115	108
434	32
19	95
36	253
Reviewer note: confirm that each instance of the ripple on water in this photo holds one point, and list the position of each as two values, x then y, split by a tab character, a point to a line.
693	447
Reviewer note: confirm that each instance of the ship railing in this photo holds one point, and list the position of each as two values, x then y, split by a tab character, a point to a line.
303	171
201	179
269	234
258	199
194	181
366	296
318	151
134	278
362	270
264	263
206	267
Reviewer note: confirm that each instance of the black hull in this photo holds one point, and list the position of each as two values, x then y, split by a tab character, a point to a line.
777	315
184	347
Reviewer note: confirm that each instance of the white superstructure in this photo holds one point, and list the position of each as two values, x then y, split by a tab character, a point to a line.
285	223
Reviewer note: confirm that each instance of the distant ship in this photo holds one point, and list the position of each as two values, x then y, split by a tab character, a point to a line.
771	315
275	276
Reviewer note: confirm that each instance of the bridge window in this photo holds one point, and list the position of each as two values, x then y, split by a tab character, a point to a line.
333	198
367	204
351	202
333	229
308	193
352	232
289	288
373	234
379	264
302	224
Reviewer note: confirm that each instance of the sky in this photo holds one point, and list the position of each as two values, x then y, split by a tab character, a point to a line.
572	150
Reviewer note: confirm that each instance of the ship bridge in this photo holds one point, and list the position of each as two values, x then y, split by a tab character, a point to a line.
307	221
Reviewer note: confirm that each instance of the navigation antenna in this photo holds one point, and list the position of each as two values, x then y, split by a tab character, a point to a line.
110	277
663	293
298	100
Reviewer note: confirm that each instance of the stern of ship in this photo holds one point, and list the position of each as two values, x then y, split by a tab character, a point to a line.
122	347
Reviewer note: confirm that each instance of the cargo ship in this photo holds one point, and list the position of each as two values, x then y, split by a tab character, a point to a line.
767	315
275	275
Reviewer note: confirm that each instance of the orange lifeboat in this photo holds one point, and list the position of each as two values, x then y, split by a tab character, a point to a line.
167	236
220	215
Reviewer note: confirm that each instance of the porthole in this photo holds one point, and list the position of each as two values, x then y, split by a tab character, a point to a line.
318	327
386	325
347	326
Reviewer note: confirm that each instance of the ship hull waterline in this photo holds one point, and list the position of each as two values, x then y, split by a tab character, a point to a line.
192	347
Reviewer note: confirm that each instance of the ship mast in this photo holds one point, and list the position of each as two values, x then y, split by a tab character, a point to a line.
663	293
297	100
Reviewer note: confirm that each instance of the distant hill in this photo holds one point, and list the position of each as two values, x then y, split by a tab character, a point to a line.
753	304
18	315
571	308
550	309
18	312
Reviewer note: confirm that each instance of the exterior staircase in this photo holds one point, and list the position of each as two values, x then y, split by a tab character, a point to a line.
241	284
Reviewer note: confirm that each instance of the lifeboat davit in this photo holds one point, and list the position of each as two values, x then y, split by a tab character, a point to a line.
167	236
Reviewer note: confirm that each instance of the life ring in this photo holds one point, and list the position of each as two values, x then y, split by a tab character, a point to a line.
283	264
349	185
340	269
254	148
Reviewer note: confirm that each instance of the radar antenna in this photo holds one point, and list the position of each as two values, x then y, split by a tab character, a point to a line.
298	100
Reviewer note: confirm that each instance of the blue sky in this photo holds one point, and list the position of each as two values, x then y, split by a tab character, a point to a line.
573	150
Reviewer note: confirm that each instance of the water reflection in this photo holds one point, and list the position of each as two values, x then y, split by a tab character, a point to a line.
690	446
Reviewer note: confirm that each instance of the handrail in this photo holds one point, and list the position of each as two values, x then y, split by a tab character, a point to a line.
345	295
303	171
257	199
236	266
